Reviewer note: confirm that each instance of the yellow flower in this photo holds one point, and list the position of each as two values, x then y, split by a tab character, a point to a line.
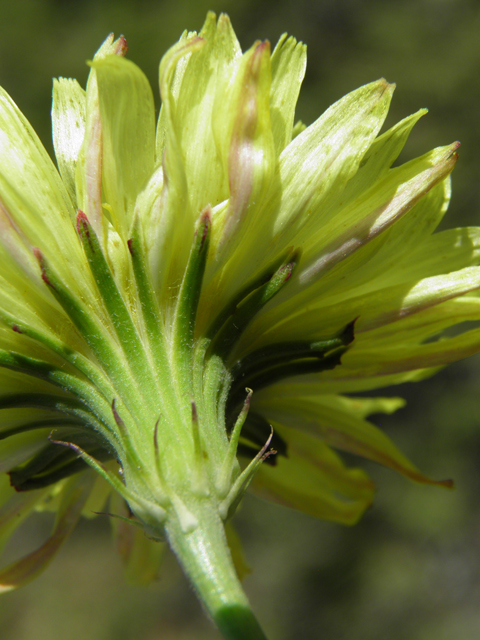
178	297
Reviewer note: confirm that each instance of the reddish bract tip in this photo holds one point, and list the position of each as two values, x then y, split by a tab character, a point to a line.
16	328
206	215
206	222
130	246
82	223
289	269
41	261
203	225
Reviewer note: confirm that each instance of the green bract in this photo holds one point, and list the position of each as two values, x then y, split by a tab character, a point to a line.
184	306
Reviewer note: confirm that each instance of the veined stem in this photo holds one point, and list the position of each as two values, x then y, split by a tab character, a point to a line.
206	560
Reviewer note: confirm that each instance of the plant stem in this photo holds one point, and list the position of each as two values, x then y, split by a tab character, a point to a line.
206	560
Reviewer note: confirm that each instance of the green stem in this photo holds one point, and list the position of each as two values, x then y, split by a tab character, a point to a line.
206	560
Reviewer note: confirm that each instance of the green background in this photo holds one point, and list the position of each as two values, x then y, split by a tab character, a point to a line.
411	569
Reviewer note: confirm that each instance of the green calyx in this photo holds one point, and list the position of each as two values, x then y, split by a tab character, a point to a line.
189	396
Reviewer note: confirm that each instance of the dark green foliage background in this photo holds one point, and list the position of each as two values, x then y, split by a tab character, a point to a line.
411	569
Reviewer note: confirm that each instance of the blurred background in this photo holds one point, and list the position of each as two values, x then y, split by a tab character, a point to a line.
411	569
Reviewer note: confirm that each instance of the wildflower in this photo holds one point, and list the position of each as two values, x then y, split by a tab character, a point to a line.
179	298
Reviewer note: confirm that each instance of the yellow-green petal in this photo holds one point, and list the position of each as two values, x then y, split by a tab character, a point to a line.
314	480
128	135
68	128
337	422
26	569
328	153
289	61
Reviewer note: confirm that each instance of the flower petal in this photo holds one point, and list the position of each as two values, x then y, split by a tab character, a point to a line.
15	507
251	155
194	108
90	159
68	128
370	361
313	169
34	199
173	202
236	549
381	206
314	480
19	448
141	556
23	571
322	159
336	420
289	61
355	266
128	135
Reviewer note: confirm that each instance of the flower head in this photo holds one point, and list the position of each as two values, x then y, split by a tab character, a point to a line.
186	307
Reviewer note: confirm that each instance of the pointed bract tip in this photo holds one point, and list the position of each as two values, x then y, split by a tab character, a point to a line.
41	262
206	215
204	224
288	270
83	230
82	223
248	399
